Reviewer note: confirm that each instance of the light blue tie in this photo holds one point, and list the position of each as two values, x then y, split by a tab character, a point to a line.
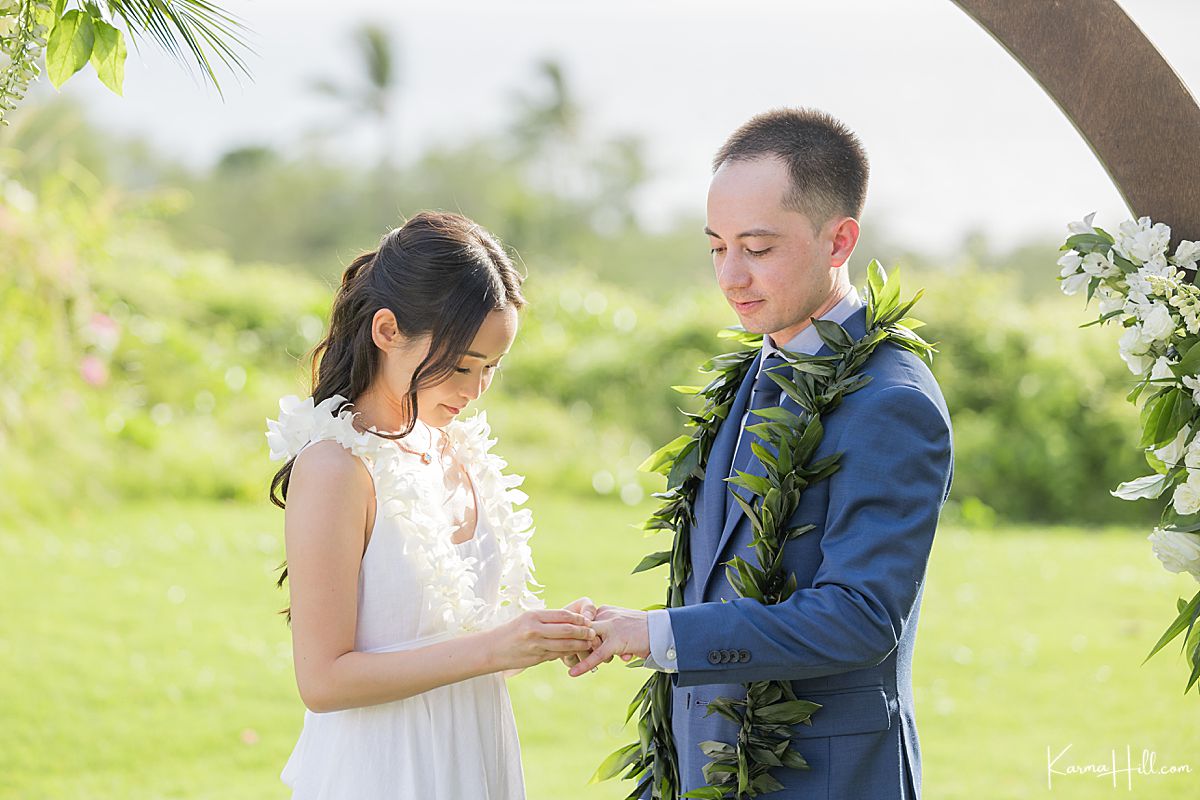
765	394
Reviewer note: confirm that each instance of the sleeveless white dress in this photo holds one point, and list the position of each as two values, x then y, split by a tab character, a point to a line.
416	587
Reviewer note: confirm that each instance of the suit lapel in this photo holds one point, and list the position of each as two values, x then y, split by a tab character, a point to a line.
856	326
720	458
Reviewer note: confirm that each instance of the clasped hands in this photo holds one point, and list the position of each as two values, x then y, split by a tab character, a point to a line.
621	632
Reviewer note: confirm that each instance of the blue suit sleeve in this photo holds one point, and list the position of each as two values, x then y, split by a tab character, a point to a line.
884	503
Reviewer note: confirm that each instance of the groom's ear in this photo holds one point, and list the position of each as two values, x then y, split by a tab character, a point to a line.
843	237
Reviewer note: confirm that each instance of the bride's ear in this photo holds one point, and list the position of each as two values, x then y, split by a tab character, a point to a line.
385	332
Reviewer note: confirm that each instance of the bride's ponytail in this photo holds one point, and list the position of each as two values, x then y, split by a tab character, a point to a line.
332	359
356	266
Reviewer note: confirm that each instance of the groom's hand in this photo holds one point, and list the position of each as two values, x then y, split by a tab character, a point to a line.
586	608
623	632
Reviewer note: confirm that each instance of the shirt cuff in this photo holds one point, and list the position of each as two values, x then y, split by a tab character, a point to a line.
662	642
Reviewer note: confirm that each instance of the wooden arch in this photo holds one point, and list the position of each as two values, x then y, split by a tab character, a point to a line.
1119	92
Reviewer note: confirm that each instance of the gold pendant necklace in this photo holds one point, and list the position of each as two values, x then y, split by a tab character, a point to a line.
425	455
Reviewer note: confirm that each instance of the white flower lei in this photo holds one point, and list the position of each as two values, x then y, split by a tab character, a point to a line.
449	579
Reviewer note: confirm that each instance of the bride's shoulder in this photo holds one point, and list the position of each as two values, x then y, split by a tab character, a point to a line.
331	463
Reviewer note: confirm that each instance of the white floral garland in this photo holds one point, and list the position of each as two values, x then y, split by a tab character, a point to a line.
449	577
1149	292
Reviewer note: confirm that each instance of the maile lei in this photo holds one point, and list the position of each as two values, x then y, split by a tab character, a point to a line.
765	716
1151	294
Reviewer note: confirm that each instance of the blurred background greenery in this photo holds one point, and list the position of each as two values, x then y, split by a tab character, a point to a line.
166	309
152	313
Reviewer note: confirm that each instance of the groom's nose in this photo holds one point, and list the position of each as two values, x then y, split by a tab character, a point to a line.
732	273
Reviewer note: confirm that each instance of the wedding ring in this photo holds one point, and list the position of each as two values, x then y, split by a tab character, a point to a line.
594	669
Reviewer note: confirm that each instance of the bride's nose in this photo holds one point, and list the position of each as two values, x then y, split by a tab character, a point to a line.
473	388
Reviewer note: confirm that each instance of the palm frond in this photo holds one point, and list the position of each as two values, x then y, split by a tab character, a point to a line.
376	51
197	25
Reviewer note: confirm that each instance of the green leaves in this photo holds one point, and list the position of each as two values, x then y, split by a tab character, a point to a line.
612	766
80	36
1164	415
714	749
833	335
792	712
686	464
1089	242
69	46
1151	486
651	561
741	336
1188	613
793	760
198	26
755	483
72	38
1190	363
660	461
108	56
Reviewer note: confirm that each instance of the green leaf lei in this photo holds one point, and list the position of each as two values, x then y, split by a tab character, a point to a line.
817	384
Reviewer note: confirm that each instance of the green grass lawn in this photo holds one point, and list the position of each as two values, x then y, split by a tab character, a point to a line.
141	657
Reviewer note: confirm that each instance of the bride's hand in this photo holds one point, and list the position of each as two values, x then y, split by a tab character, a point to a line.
538	636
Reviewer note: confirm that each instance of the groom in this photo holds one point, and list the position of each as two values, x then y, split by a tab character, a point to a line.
786	193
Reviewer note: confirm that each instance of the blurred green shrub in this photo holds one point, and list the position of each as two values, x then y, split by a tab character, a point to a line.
130	367
1042	428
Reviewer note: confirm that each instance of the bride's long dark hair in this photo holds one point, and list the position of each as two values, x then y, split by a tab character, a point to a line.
440	274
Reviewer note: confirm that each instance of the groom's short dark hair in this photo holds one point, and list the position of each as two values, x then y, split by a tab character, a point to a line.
826	160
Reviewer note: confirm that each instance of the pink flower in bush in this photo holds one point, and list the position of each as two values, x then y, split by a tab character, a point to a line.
105	331
93	370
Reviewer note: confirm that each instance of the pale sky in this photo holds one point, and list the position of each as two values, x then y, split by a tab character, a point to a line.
959	136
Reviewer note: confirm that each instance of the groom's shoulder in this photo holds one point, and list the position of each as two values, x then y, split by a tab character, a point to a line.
898	376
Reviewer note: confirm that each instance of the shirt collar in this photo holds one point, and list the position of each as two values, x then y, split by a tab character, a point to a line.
808	341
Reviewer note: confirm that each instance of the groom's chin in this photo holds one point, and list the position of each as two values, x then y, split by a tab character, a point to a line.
753	325
754	321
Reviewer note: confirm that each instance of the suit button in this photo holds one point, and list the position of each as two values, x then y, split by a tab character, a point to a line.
727	656
714	657
744	656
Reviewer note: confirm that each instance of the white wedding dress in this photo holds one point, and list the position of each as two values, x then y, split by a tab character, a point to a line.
416	587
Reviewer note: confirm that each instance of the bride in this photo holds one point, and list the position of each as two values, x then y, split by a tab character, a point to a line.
409	570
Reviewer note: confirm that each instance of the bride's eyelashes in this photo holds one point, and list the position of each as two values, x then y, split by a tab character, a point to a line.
465	370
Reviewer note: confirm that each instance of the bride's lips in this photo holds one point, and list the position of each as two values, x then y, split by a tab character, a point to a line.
452	409
748	305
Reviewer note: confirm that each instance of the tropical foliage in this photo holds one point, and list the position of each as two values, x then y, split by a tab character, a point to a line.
94	32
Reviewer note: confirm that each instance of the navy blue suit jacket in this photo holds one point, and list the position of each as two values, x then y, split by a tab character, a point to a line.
845	638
